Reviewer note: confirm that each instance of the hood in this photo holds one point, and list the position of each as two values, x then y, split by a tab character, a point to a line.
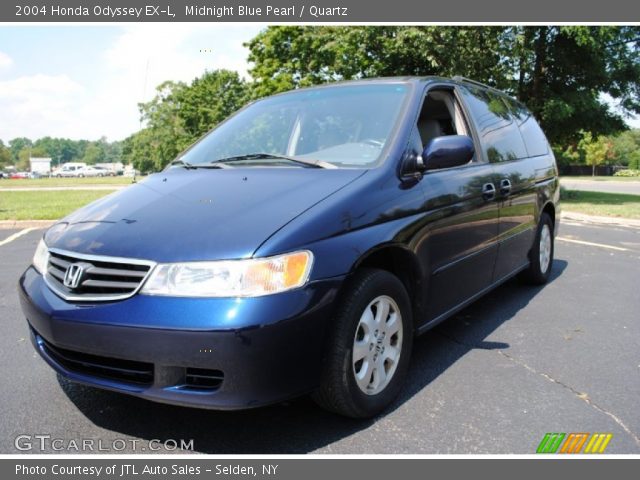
188	215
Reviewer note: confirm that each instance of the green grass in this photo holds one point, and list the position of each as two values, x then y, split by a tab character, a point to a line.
601	179
602	204
43	204
64	182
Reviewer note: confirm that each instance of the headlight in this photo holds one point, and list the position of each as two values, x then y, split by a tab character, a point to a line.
41	257
230	278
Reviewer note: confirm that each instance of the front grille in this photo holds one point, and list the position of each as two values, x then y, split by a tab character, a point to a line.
102	278
127	371
203	379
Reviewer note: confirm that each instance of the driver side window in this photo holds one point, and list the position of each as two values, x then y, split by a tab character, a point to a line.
440	116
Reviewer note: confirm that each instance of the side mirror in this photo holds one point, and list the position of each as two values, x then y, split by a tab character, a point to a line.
448	151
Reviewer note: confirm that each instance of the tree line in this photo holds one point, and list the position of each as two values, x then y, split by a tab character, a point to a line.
61	150
581	82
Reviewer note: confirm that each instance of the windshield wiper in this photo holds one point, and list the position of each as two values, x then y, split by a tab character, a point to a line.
267	156
181	163
192	166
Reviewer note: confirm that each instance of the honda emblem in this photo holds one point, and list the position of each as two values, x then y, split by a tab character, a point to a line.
73	275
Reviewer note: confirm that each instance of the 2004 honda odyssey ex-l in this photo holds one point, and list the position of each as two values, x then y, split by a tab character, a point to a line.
299	247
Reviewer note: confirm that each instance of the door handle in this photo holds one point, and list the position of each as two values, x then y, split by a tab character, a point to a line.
505	187
488	191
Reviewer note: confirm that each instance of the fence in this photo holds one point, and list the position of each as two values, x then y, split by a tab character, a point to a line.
602	170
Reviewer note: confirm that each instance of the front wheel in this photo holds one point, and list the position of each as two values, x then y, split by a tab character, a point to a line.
369	348
541	254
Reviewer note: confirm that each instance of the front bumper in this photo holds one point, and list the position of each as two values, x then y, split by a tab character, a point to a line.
268	348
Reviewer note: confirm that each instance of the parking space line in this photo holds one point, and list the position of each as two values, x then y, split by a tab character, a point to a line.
592	244
16	235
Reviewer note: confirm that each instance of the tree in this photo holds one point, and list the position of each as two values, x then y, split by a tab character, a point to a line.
166	135
560	72
5	155
288	57
596	151
179	114
210	99
17	145
564	72
634	160
139	149
60	150
113	152
626	147
51	147
25	155
94	154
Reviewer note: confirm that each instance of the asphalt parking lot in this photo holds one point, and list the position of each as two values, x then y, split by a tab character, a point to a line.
515	365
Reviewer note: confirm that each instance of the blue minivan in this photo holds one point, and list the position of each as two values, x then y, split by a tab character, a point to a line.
299	247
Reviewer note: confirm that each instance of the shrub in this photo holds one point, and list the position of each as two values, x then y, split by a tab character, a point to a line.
627	173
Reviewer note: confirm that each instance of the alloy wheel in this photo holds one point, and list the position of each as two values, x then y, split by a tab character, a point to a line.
545	248
377	345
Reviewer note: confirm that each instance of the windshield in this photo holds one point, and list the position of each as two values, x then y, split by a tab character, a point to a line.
346	126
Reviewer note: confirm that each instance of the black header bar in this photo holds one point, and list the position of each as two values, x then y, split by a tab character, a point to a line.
318	11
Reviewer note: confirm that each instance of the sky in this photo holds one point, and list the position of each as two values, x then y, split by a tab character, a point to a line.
85	82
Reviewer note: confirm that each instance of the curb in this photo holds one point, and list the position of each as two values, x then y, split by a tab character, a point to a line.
615	221
20	224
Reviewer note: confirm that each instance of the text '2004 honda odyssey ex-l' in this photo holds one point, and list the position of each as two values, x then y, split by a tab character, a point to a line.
299	247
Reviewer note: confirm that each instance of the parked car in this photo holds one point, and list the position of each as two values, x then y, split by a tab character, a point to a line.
299	247
70	169
106	172
90	171
130	172
19	175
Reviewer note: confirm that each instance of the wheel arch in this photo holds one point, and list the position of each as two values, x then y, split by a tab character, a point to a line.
401	262
550	209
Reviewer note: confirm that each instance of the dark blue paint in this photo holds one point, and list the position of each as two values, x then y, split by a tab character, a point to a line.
185	215
446	152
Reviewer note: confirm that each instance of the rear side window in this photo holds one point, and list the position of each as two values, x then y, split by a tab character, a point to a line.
533	136
499	135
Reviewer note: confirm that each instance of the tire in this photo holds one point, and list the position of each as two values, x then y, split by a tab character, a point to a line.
540	266
355	387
